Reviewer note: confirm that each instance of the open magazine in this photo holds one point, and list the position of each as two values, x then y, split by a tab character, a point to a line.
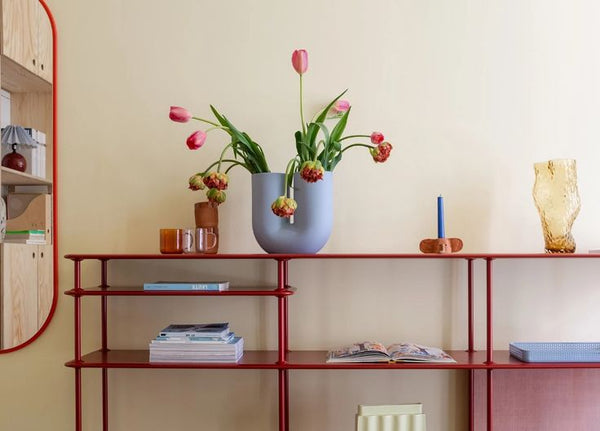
370	351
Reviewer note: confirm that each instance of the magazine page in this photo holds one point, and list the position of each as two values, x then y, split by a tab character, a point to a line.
366	351
410	352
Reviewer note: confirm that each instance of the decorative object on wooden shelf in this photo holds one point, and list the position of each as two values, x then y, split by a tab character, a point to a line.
557	201
14	160
206	216
12	136
441	244
313	220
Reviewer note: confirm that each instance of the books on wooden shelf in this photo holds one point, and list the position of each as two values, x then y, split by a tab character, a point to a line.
202	342
25	236
372	351
399	417
220	329
187	285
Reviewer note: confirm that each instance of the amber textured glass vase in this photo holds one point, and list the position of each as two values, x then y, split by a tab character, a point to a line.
557	200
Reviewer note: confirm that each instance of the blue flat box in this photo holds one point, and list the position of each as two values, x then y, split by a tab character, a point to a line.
556	352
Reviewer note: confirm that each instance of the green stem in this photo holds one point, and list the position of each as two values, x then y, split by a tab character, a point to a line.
288	169
208	122
233	164
223	161
356	145
222	155
355	136
302	110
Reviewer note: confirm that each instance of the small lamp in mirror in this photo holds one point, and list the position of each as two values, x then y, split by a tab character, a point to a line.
12	136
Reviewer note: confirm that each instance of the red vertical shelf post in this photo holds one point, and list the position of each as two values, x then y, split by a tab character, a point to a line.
104	318
77	322
490	342
470	348
282	343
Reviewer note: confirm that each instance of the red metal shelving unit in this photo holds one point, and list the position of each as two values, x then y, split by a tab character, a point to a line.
283	359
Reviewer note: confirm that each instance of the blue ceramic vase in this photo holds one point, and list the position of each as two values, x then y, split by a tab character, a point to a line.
311	226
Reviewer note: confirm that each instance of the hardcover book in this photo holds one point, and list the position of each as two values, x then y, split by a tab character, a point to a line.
369	351
187	285
196	330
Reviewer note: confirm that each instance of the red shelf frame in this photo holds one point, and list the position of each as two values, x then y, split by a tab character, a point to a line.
283	359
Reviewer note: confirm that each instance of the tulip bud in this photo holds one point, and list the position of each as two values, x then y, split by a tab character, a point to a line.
179	115
376	138
340	106
284	206
312	171
196	183
381	152
300	61
216	196
216	180
196	140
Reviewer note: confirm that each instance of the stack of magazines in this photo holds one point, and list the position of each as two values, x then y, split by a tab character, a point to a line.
199	342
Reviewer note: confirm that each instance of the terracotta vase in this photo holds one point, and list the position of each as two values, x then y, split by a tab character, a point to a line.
207	216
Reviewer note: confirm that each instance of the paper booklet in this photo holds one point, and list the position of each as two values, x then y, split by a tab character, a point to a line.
370	351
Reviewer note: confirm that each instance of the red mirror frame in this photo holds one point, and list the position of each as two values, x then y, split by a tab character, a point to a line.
43	327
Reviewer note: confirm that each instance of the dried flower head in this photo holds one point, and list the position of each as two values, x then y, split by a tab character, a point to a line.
284	206
216	180
312	171
216	196
381	152
196	182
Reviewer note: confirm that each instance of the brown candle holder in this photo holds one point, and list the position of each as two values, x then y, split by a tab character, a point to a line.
441	245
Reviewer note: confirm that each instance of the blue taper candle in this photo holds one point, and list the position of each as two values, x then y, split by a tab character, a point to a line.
440	213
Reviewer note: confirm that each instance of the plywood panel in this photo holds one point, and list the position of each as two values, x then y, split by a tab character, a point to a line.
20	31
19	293
45	282
44	47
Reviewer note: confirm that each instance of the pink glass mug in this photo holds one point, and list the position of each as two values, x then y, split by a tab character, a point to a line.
206	240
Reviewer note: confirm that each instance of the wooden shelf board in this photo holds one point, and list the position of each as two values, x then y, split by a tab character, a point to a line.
17	79
15	178
315	359
139	291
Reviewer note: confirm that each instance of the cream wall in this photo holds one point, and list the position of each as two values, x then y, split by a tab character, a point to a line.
470	93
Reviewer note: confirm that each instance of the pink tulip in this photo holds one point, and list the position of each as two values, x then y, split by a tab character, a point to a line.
376	138
300	60
340	106
196	140
179	115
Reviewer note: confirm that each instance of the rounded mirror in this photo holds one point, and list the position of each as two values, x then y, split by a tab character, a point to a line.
28	269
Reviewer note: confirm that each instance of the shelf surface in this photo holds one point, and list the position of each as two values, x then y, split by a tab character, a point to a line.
315	359
15	178
18	79
139	291
150	256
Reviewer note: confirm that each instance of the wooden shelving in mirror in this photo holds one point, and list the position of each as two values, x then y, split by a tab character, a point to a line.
10	177
18	79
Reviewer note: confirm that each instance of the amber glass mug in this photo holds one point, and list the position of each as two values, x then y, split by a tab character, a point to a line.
171	241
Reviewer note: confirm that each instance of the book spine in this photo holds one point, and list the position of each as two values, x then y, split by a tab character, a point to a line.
184	286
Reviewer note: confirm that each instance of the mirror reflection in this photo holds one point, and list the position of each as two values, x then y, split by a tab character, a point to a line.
27	281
